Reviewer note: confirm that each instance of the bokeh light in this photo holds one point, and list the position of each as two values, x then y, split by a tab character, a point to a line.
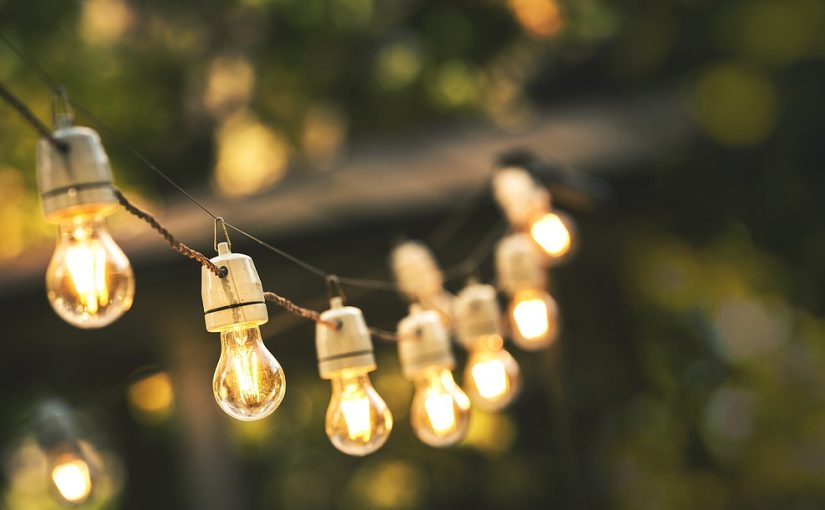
251	155
152	398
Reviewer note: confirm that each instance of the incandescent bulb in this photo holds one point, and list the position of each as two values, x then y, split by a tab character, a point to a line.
249	383
358	421
492	375
440	412
553	233
71	477
89	281
534	316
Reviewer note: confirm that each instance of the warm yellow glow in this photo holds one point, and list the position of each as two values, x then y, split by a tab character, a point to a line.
251	155
229	84
440	412
70	475
530	317
541	18
358	421
89	281
552	235
249	383
86	262
105	21
356	410
152	396
534	317
490	378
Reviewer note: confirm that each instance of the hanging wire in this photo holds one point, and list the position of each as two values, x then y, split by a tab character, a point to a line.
178	246
470	265
446	231
32	119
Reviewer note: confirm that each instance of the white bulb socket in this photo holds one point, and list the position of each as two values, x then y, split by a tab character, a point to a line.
347	346
237	299
477	313
417	272
519	264
519	196
75	182
423	342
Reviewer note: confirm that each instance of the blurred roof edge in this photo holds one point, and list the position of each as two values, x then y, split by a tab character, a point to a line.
411	175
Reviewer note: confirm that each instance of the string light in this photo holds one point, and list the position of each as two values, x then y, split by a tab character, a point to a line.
358	421
70	473
492	377
533	313
440	413
91	285
528	209
249	383
89	281
420	279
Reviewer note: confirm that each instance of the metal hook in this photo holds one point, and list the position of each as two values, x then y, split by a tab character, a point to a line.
334	288
62	112
215	234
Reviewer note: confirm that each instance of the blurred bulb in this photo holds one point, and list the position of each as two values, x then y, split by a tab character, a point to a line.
440	412
492	375
534	316
249	383
552	232
71	477
89	281
358	421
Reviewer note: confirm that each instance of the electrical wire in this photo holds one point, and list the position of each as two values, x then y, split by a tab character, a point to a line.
439	235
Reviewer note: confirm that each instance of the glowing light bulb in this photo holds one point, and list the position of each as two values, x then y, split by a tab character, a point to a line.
552	232
492	375
249	383
440	412
71	477
534	316
358	421
89	281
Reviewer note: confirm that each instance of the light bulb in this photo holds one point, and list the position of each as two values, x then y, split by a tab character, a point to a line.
440	413
358	421
492	375
553	233
89	281
71	477
534	316
249	383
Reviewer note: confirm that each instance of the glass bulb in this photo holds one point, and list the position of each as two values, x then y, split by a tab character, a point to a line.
492	375
72	478
440	413
249	383
552	232
89	281
358	421
534	317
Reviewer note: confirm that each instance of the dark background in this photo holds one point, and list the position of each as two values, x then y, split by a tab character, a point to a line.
690	370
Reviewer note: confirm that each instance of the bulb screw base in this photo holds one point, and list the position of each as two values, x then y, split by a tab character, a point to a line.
348	347
519	264
416	271
235	299
423	342
477	313
77	181
518	195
